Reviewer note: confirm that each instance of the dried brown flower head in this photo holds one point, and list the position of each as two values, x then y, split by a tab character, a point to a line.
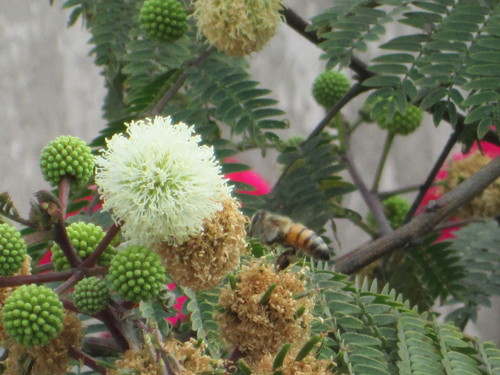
137	359
238	27
307	366
203	261
487	204
50	359
191	357
257	326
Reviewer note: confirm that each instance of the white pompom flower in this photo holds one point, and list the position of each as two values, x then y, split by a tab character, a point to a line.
159	181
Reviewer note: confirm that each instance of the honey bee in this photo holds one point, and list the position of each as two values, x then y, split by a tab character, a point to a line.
272	229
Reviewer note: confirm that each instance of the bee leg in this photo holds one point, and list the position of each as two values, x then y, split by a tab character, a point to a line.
284	260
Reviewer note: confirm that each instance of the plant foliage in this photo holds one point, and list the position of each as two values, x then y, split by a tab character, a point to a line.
444	59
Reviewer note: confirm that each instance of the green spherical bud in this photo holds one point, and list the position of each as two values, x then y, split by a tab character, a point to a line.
329	87
91	295
137	274
33	315
163	20
395	210
12	250
67	156
84	237
401	123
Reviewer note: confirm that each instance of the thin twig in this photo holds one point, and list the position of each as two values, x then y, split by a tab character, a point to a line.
436	212
435	170
92	259
403	190
354	91
68	284
158	108
35	279
114	327
62	239
86	359
383	158
300	25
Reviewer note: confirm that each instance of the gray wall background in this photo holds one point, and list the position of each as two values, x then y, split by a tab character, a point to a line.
50	87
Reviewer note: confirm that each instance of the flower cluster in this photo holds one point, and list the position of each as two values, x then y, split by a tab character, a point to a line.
160	181
203	261
329	87
238	27
12	250
163	20
67	156
33	315
52	358
262	312
91	295
137	274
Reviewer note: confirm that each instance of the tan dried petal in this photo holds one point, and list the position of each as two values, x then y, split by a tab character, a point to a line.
139	360
255	328
203	261
307	366
191	357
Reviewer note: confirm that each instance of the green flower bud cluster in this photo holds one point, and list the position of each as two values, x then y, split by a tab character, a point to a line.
329	87
84	237
137	274
33	315
401	123
91	295
12	250
395	210
163	20
67	156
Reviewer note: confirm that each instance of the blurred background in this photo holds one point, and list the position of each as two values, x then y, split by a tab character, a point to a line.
49	86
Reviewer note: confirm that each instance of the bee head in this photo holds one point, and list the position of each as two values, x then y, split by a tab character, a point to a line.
256	221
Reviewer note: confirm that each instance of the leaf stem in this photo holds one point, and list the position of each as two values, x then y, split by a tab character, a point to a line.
92	259
387	147
158	108
452	140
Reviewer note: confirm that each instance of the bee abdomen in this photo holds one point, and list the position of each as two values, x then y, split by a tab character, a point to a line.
308	241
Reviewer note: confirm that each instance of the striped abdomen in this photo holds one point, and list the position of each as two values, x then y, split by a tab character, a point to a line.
306	240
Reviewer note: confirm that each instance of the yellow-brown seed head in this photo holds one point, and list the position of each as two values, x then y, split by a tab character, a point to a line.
140	360
203	261
256	328
191	357
487	204
238	27
307	366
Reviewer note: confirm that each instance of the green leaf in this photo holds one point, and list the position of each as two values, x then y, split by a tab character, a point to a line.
480	98
479	113
382	81
433	97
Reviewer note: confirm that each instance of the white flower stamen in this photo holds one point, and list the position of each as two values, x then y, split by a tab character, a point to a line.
160	181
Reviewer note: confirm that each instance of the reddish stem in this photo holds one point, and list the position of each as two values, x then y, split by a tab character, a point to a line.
112	324
64	189
86	359
64	243
92	259
35	279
